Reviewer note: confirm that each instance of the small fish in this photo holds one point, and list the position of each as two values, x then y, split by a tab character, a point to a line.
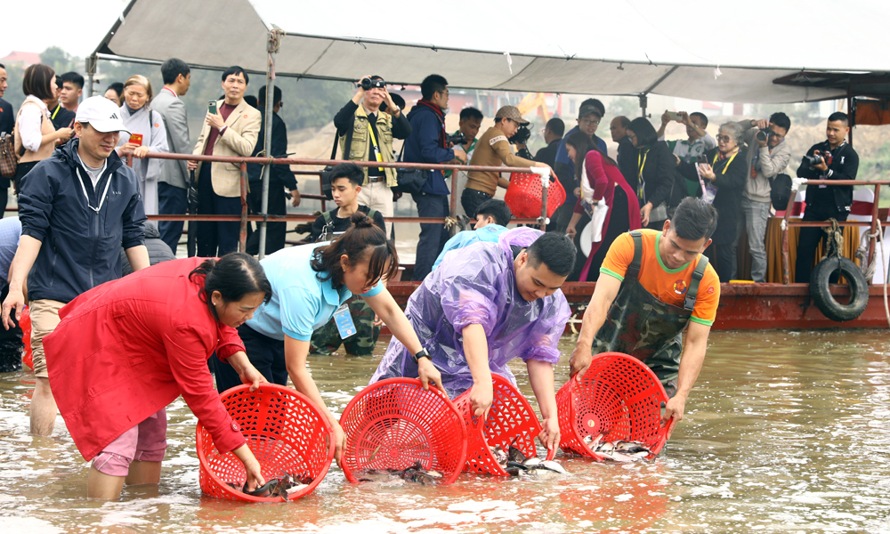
500	456
554	466
622	451
516	455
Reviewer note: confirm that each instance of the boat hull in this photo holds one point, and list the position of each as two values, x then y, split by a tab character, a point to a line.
742	306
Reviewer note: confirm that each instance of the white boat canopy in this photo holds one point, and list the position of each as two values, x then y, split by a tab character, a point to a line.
705	51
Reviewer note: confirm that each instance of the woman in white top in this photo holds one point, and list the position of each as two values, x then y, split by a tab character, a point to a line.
140	119
35	135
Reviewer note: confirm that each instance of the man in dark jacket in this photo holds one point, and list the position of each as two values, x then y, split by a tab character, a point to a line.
428	143
553	132
83	204
280	178
832	159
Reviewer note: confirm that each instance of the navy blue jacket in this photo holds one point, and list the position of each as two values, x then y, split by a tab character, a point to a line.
423	146
80	247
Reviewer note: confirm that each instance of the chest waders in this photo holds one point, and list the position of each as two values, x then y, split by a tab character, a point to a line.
646	328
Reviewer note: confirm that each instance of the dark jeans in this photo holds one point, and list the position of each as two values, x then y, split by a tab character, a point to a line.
432	236
172	200
216	238
471	199
810	237
265	353
275	232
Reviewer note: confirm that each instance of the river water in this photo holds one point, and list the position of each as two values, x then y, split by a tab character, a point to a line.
785	431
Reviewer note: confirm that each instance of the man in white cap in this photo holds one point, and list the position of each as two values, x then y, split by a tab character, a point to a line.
493	149
83	203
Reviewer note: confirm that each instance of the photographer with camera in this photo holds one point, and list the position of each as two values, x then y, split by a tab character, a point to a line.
465	138
832	159
494	149
768	155
366	126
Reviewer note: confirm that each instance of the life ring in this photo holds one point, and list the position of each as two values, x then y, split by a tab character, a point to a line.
821	293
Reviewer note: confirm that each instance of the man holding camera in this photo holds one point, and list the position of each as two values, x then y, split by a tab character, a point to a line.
465	137
768	155
494	149
832	159
366	126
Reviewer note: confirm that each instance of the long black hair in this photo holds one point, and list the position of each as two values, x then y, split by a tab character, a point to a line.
234	275
363	241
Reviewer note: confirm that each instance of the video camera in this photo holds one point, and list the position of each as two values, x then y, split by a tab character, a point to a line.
521	136
457	138
368	83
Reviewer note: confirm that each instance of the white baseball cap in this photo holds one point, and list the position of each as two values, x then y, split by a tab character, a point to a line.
103	114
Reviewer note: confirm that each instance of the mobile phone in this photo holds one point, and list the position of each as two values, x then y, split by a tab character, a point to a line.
136	139
211	107
701	159
673	115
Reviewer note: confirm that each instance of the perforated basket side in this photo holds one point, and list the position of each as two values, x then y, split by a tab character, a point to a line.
394	423
619	398
511	421
285	432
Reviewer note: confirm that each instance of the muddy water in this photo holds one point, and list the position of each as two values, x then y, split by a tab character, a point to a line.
786	431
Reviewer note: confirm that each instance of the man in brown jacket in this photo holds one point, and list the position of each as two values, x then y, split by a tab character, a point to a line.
493	149
230	129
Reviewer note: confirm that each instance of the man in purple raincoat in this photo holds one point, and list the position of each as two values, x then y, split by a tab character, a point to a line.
482	308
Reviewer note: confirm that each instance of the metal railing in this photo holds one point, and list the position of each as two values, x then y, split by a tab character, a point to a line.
789	221
246	217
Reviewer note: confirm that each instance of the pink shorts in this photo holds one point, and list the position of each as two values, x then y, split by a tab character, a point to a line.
145	442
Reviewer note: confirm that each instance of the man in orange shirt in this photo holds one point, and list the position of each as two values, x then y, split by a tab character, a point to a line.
658	284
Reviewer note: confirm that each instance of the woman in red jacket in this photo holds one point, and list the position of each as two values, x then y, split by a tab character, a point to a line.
127	348
603	186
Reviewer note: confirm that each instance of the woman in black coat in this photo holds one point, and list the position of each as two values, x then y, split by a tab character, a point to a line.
654	177
723	176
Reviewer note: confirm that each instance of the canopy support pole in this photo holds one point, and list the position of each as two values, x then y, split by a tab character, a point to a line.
272	47
91	63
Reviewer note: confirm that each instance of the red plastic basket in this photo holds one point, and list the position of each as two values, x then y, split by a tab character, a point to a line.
525	192
286	433
618	397
510	422
25	325
394	423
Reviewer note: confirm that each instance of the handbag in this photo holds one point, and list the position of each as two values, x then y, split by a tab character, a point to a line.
8	159
411	181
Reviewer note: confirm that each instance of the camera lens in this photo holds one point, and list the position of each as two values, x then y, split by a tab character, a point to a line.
365	83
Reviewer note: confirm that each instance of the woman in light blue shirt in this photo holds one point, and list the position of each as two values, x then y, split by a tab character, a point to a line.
310	284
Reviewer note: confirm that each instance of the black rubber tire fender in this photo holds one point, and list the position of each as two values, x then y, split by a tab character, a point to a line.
821	294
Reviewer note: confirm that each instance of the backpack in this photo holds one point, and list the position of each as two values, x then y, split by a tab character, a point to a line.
327	232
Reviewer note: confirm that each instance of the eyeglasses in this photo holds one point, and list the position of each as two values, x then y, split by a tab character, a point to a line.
592	122
774	134
723	138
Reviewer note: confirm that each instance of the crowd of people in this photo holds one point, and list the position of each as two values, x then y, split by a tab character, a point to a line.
664	221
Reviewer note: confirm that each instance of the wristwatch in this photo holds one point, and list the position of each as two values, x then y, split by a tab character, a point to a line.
422	354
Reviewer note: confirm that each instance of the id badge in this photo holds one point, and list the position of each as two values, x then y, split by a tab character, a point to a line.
345	324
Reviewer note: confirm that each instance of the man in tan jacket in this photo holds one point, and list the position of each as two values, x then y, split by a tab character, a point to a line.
494	149
230	129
